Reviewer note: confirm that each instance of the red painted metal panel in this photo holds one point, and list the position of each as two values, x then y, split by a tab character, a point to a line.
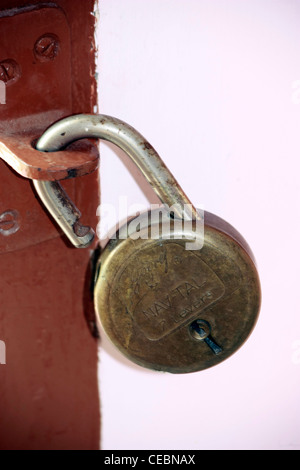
48	387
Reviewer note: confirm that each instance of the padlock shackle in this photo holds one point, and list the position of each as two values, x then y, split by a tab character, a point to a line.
108	128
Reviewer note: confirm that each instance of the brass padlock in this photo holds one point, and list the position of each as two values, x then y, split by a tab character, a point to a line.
165	307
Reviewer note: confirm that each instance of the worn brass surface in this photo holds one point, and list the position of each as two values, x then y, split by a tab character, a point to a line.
170	309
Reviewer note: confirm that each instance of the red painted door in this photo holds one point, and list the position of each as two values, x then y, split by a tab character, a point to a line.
48	377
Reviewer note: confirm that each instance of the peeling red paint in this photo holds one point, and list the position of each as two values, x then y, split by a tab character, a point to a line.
48	387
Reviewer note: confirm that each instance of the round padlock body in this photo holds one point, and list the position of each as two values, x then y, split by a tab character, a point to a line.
173	309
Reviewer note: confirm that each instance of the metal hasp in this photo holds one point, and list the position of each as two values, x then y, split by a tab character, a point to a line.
48	385
165	307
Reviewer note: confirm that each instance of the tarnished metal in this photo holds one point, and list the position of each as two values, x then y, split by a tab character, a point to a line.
64	211
164	307
170	309
131	142
81	158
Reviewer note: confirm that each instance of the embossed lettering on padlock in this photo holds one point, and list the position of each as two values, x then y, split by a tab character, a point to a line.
175	310
165	307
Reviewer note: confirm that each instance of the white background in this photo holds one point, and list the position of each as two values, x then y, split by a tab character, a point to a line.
214	87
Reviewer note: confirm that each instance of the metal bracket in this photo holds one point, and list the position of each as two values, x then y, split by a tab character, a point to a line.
36	69
36	74
80	159
47	318
35	65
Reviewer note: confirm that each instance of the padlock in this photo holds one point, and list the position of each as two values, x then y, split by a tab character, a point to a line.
170	296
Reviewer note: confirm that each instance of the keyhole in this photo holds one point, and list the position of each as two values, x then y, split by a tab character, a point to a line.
201	331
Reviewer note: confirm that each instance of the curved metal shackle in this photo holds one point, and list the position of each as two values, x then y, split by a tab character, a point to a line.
81	126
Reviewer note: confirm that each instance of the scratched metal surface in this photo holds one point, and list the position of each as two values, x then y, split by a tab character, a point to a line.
48	385
149	293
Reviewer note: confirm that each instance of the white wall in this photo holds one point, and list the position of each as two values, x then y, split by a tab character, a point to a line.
213	86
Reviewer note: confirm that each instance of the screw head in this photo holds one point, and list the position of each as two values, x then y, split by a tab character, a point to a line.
9	222
10	71
47	47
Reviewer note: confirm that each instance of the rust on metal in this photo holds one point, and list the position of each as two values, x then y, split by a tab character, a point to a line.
44	91
10	71
47	47
39	83
79	159
49	395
